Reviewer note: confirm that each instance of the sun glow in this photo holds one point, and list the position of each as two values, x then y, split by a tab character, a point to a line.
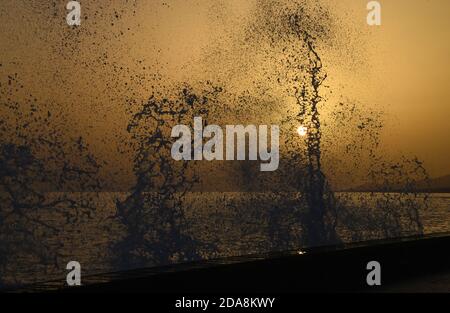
302	131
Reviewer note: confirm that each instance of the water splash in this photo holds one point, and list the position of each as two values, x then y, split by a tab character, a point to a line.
154	212
389	203
38	170
318	224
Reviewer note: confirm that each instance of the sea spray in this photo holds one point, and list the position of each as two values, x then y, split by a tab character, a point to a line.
154	212
318	230
42	171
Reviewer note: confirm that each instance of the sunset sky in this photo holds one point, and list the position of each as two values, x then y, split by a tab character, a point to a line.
121	51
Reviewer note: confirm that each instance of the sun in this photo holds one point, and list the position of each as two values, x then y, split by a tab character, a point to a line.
302	131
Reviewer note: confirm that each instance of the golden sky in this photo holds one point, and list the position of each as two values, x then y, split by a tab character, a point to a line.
123	49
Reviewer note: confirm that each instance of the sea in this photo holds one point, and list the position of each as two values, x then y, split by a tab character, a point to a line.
224	225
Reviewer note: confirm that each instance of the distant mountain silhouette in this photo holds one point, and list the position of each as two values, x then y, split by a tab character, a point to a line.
439	184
